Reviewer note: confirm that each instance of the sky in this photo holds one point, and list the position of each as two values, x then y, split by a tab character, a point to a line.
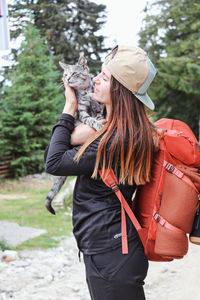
124	20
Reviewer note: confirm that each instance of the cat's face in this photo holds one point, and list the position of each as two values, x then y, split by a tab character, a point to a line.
77	76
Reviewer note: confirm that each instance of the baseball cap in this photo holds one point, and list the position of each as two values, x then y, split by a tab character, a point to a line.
133	69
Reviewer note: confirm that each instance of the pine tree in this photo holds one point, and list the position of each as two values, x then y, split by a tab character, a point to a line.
33	100
71	27
171	37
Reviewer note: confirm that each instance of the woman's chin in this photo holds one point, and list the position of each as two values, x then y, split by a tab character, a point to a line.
95	97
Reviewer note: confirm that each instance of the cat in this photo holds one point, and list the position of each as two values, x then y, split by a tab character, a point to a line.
89	111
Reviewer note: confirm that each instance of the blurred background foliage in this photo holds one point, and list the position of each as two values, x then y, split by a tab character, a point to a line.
171	37
54	30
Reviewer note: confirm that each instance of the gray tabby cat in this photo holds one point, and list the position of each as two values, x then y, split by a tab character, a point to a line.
89	111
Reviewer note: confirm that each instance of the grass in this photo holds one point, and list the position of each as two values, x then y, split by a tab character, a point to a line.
4	245
22	201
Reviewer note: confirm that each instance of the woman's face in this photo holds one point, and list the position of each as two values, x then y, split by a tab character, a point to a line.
102	86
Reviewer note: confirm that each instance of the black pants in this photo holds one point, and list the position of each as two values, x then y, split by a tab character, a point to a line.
116	276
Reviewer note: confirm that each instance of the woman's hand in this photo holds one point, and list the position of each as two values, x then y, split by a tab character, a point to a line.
82	133
71	103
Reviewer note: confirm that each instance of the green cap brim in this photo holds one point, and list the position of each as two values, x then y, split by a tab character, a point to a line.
146	100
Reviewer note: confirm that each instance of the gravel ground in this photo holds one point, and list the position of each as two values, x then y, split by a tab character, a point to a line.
57	274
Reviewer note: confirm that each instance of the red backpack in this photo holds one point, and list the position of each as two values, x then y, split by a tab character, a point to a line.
164	209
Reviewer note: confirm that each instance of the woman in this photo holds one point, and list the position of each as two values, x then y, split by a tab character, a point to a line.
125	143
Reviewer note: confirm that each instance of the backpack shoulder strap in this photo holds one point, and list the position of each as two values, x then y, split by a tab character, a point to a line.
111	181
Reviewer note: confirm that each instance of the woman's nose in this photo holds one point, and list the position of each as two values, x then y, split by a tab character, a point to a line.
96	79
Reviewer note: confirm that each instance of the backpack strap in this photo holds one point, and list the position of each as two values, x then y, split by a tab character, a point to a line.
111	181
163	222
172	169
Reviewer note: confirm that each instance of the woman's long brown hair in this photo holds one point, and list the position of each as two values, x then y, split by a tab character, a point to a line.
132	134
133	139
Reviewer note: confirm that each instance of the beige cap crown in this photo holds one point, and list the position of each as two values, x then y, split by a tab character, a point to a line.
133	69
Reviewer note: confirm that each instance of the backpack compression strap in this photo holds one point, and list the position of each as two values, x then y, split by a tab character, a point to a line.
111	181
172	169
163	222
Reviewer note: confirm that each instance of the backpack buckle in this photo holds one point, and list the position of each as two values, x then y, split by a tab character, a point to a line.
169	167
157	217
114	186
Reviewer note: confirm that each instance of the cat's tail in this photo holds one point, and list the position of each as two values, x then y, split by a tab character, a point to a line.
53	192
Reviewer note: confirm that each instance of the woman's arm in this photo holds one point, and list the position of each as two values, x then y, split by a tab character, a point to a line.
59	158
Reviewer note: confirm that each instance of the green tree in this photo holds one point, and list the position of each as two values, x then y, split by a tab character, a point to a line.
71	27
33	100
171	37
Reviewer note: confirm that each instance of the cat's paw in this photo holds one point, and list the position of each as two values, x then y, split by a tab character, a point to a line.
97	126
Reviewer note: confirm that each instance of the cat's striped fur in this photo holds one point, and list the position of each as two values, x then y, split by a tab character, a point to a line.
89	111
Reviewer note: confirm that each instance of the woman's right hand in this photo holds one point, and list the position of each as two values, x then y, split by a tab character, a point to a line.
82	133
71	103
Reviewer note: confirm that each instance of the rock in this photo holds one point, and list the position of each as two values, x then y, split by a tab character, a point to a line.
1	254
9	255
9	259
20	263
14	234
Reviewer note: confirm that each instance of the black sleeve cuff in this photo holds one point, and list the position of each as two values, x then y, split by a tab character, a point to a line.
65	120
67	117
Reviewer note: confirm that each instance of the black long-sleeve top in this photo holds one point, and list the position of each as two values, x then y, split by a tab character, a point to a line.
96	208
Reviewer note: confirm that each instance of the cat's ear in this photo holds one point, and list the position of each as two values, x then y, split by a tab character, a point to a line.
82	61
63	66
